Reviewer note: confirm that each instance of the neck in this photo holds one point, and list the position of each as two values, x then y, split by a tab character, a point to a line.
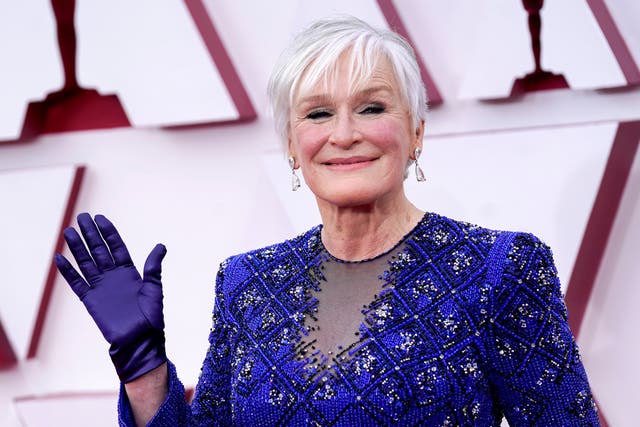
359	232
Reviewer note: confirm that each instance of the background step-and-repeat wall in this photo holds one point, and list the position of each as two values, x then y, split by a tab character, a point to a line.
154	113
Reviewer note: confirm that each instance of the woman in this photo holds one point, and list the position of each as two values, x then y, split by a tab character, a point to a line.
383	314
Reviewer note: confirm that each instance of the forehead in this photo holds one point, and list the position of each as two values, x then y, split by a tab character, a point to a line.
347	75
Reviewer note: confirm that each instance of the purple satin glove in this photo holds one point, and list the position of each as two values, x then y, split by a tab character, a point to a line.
126	307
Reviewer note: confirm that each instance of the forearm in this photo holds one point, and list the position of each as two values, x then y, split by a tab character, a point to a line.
146	394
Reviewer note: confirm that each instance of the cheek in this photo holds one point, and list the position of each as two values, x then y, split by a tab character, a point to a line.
390	136
308	141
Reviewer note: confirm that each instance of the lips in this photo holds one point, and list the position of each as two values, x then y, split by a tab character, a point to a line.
348	160
345	164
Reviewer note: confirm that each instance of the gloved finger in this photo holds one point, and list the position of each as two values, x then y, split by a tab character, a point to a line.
80	253
118	249
99	250
73	278
153	264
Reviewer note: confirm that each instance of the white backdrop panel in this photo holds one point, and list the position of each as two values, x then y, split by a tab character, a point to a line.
33	205
368	10
476	49
443	37
573	42
94	410
625	13
30	61
609	334
151	54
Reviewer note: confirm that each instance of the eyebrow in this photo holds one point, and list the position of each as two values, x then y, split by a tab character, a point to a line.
360	93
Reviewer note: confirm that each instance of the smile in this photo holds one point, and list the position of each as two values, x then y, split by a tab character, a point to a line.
349	163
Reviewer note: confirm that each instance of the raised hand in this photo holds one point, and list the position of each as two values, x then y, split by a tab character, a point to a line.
126	307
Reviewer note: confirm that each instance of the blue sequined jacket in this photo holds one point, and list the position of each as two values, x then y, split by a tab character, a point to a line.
475	329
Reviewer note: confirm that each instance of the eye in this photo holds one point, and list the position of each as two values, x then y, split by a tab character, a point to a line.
318	115
372	109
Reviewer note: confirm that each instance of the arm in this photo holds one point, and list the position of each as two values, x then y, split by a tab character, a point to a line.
146	394
212	399
126	307
211	404
535	367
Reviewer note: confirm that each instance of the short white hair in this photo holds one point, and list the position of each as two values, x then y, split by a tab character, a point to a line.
314	53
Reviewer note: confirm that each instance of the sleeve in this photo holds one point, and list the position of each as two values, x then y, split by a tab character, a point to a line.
534	364
211	402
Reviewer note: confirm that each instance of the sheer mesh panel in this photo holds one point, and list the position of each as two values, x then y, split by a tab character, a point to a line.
348	290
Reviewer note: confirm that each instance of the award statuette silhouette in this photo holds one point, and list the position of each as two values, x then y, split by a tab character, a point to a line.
538	79
72	107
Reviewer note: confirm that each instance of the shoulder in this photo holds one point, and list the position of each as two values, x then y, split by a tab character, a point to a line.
442	229
528	265
448	239
271	259
503	252
514	261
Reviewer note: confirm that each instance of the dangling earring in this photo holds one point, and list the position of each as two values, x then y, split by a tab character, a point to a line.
419	174
295	181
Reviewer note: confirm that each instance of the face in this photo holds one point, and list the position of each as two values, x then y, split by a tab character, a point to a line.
353	146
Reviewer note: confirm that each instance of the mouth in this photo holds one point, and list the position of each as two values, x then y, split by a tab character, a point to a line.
349	163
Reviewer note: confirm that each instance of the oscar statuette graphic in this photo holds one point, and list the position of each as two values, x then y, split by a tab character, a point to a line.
538	79
72	107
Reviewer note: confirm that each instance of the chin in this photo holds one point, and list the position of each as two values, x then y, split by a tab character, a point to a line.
349	196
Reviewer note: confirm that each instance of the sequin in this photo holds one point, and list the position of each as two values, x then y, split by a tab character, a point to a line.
467	325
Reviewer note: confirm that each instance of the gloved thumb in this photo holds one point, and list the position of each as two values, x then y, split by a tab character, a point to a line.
153	264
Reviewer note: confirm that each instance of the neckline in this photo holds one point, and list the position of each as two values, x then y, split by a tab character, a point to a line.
375	257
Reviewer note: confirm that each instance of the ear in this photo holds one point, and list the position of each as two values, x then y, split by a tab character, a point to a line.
418	139
420	133
291	153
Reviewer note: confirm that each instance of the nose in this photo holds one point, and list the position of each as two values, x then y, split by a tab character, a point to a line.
344	132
